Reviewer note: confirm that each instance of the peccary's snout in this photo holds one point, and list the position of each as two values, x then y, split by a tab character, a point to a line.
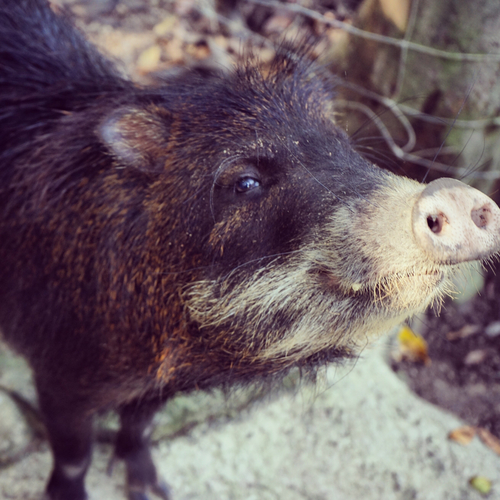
455	223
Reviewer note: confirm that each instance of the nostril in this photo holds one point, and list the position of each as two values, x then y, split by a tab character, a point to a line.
481	216
435	222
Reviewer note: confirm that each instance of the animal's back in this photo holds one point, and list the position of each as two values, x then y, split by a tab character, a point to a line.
50	76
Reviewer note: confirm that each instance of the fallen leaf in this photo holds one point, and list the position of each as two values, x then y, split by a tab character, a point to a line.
123	45
397	11
475	357
481	484
493	329
174	50
166	26
412	347
149	59
462	435
465	331
198	51
491	441
277	23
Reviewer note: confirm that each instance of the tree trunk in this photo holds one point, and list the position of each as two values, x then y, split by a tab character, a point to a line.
438	86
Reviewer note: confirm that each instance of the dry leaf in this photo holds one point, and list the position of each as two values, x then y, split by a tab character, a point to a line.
491	441
465	331
174	50
397	11
123	45
481	484
493	329
198	51
166	26
277	23
462	435
412	347
149	59
475	357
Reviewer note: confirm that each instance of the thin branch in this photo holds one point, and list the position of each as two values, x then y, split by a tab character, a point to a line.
408	110
404	51
403	44
398	152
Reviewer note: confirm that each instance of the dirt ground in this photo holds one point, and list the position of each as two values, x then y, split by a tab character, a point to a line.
463	375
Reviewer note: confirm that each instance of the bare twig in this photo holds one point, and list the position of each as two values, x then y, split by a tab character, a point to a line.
404	51
403	44
402	154
408	110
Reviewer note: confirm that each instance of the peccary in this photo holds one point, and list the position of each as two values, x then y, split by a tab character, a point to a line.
196	234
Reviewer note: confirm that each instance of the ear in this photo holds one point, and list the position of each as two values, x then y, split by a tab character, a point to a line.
137	137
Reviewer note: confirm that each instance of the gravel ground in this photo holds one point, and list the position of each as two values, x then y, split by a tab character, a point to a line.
361	434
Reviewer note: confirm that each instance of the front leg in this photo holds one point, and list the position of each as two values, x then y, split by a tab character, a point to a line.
132	446
69	429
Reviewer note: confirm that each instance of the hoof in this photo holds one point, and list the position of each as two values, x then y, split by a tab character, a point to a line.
159	490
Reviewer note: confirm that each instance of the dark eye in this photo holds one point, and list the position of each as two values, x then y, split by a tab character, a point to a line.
246	184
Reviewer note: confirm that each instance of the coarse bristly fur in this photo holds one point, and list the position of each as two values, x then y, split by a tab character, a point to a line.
200	233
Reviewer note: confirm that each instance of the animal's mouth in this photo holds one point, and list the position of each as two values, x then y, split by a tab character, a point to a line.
434	276
393	294
403	278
